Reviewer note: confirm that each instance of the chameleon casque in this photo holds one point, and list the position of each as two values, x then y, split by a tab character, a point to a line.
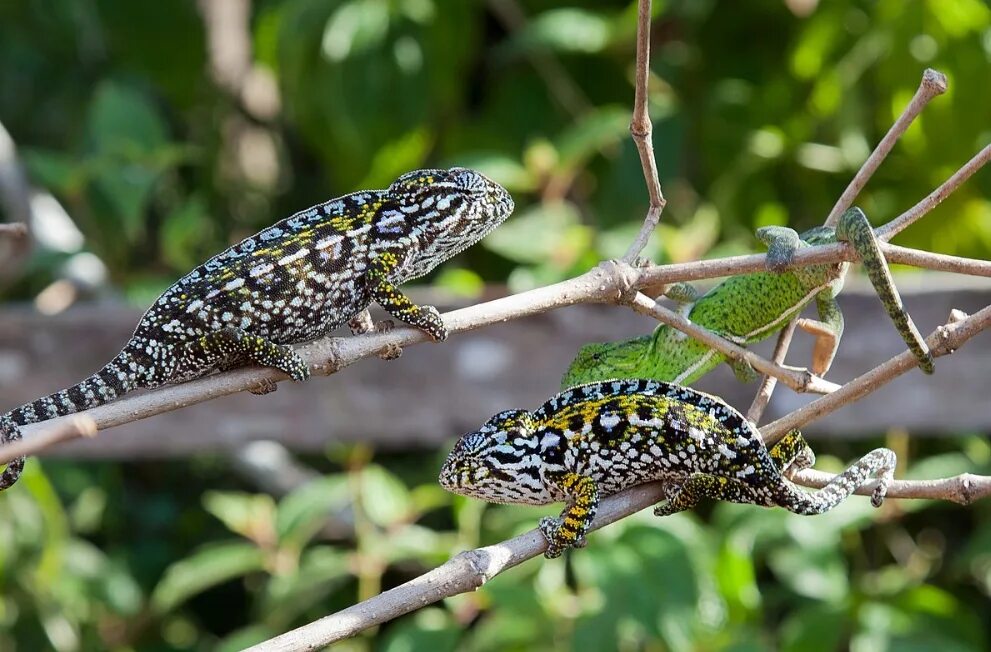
292	282
597	439
749	308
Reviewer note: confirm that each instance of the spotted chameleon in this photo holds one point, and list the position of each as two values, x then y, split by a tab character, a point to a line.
749	308
294	281
598	439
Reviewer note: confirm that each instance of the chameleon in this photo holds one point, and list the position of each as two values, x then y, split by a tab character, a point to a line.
749	308
292	282
597	439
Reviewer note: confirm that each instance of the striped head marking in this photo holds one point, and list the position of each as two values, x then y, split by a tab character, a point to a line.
449	210
500	462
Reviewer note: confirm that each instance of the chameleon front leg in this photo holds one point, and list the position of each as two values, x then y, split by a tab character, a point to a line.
397	304
827	331
224	348
569	529
855	228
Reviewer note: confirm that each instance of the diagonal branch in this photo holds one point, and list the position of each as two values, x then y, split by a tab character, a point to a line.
800	380
933	83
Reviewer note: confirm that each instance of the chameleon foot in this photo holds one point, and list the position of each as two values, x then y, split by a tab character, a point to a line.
549	527
265	386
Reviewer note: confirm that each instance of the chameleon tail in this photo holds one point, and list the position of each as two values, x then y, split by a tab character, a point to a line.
879	463
117	377
854	228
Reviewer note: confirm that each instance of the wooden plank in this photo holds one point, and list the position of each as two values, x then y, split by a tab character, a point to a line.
433	393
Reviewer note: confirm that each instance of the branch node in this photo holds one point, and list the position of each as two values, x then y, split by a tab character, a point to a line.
935	81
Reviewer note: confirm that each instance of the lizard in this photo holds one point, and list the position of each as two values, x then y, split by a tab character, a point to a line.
749	308
597	439
292	282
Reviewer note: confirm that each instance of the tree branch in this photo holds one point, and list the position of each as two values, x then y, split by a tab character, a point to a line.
767	384
933	83
800	380
641	129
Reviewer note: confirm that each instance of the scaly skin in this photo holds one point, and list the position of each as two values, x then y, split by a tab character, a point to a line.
747	309
293	282
598	439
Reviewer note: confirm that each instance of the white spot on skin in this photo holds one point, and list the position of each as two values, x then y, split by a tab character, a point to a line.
726	452
291	258
259	270
233	285
610	421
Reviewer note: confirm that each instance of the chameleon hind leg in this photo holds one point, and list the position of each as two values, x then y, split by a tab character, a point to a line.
879	463
569	529
855	228
397	304
9	433
228	347
792	452
697	486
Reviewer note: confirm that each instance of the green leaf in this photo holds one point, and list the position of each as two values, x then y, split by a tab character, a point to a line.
549	232
384	498
565	30
122	121
603	127
209	566
249	515
303	512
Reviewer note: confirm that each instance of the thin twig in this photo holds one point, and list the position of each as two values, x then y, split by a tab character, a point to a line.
933	83
943	341
800	380
768	383
933	199
641	129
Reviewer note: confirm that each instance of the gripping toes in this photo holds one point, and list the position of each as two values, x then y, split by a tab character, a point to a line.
550	527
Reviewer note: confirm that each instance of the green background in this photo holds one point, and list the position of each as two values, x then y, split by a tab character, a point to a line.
762	111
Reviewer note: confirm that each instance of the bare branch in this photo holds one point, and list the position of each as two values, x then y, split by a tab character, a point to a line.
471	569
943	341
768	383
800	380
933	84
607	283
641	129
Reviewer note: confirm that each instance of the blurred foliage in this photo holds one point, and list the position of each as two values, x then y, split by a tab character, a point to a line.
762	111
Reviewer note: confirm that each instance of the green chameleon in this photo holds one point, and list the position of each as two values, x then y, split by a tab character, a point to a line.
598	439
749	308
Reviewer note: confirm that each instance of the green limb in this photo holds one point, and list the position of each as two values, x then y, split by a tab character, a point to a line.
568	530
703	485
879	463
397	304
782	243
854	228
827	331
742	370
792	451
682	293
230	346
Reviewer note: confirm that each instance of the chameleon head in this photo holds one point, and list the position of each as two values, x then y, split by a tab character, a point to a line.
500	462
607	360
453	209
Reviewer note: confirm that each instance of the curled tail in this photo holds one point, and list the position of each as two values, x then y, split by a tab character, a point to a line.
879	463
116	378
